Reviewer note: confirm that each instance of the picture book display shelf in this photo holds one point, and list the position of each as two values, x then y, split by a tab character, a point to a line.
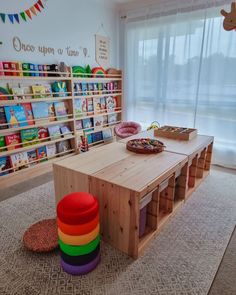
30	141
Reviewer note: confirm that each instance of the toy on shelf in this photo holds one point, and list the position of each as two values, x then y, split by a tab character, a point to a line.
98	72
154	125
78	230
145	146
84	147
84	72
230	18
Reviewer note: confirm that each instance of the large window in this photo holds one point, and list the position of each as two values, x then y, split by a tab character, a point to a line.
181	70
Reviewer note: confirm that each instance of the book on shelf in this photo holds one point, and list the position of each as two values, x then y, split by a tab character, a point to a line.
97	136
51	112
42	153
2	143
77	89
1	69
84	88
3	119
13	67
90	89
54	132
32	157
97	105
98	122
87	123
28	92
19	161
111	104
105	88
33	68
52	68
43	134
59	89
38	91
80	107
51	150
5	94
89	106
48	91
110	87
26	69
100	88
29	136
13	141
15	116
95	89
112	119
40	68
115	86
79	125
29	113
5	164
61	110
103	104
89	136
66	131
6	67
18	93
40	112
105	120
63	146
107	134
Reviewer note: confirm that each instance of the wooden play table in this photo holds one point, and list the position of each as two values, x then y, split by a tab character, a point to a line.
125	184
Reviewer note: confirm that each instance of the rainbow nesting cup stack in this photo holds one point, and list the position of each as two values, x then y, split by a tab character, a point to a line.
78	231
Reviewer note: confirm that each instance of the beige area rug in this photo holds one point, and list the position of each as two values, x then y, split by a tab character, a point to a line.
182	260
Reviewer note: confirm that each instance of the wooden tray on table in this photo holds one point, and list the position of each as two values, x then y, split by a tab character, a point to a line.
179	133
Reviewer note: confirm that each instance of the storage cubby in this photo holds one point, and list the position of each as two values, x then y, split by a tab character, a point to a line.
180	185
199	167
148	214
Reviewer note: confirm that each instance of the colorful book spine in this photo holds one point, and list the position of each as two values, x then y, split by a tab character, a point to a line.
1	69
7	67
26	69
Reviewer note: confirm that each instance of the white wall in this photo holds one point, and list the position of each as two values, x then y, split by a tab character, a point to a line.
62	23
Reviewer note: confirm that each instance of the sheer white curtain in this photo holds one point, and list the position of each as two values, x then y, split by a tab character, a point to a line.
180	70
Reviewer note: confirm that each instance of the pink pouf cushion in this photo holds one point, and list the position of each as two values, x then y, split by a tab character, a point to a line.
126	129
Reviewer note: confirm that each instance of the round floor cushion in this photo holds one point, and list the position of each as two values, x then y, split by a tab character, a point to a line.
76	230
82	259
41	236
82	269
77	208
79	240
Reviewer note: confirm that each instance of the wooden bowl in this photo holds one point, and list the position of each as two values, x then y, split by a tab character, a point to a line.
145	146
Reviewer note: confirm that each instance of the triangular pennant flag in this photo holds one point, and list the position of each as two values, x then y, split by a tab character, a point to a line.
32	9
22	14
40	3
16	16
28	13
3	17
11	18
37	7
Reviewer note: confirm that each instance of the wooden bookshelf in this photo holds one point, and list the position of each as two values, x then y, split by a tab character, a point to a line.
40	166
